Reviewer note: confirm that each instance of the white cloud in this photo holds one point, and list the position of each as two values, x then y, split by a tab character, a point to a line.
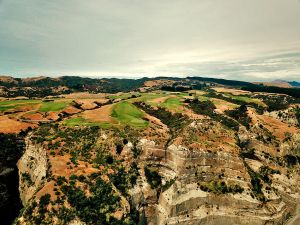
148	37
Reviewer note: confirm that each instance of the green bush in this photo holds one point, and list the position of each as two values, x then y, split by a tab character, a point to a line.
153	177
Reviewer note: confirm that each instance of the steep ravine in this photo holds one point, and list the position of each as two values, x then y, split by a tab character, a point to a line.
11	149
23	167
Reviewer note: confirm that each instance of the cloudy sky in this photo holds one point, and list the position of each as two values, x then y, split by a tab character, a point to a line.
234	39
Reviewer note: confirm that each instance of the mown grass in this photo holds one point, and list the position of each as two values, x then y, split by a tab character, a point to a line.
53	106
19	102
128	114
11	104
79	121
4	108
122	96
172	103
146	97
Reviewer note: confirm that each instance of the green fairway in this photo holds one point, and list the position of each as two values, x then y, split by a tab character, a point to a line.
122	96
128	114
11	104
79	121
19	102
146	97
6	107
53	106
172	104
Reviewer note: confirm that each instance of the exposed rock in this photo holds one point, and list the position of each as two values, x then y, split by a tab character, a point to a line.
32	170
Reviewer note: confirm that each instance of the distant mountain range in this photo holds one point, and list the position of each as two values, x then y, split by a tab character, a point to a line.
281	83
42	86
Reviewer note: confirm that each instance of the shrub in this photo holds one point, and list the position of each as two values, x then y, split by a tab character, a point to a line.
240	114
153	178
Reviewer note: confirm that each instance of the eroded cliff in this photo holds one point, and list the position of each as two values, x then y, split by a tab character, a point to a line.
238	167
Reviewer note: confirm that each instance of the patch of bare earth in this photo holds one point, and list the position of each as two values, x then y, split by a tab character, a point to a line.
87	104
35	116
222	105
71	110
159	100
61	168
8	125
275	126
101	114
84	95
52	116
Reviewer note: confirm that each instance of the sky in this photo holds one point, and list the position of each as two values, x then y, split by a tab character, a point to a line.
251	40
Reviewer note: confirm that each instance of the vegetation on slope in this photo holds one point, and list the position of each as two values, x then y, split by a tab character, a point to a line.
207	108
175	121
240	115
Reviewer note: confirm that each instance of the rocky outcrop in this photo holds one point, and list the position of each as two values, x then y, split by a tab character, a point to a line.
32	169
286	116
184	202
205	174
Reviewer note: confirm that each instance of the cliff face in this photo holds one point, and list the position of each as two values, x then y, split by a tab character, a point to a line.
205	174
216	183
32	170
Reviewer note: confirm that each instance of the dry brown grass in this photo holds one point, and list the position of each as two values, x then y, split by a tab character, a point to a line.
52	116
85	95
8	125
222	105
35	116
71	110
101	114
231	91
276	84
153	83
275	126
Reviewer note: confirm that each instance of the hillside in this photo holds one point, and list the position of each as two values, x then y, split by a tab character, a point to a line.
38	87
204	154
281	83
